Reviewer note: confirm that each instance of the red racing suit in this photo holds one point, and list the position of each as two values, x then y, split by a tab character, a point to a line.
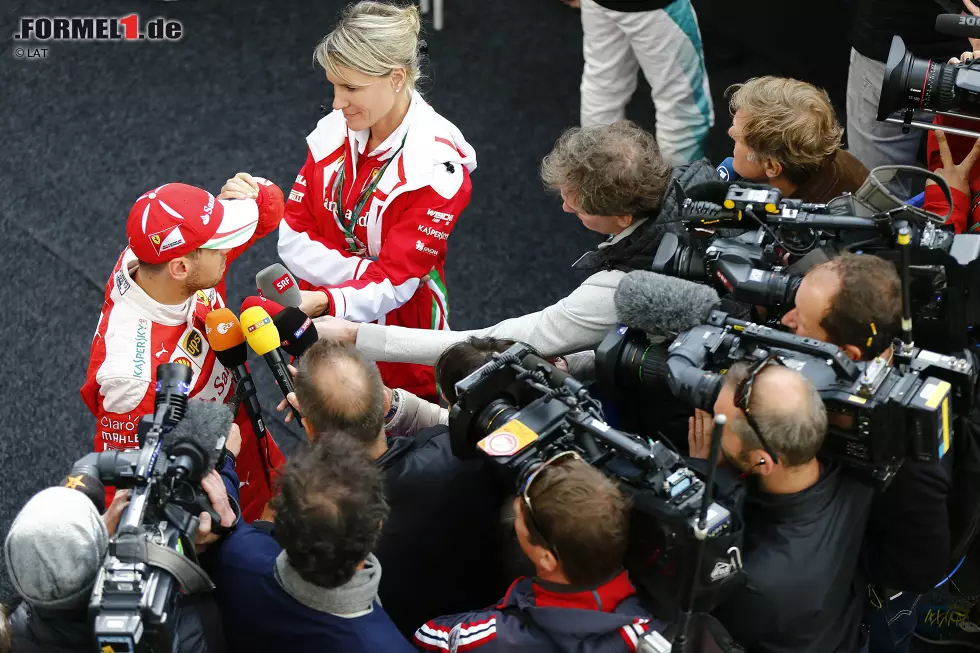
136	333
386	262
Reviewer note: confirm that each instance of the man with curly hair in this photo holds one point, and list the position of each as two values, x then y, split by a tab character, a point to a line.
310	582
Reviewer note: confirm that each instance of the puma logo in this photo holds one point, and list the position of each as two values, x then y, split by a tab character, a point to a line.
242	484
163	350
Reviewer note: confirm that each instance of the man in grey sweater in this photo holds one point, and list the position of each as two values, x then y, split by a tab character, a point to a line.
630	202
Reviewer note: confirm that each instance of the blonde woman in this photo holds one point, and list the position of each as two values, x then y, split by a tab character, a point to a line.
385	179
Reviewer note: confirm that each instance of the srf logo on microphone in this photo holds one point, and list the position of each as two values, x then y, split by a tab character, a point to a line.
284	282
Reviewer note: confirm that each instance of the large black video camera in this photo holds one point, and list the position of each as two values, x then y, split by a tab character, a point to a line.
878	414
134	604
519	410
785	238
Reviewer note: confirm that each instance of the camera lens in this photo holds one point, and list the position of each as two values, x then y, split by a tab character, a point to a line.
914	83
677	260
497	413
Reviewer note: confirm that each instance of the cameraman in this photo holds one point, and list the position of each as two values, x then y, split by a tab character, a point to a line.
444	513
855	302
804	516
54	551
615	181
572	523
786	135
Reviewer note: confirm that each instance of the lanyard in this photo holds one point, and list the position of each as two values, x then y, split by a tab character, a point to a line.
348	218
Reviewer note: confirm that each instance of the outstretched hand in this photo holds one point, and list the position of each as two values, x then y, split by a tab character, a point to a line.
957	175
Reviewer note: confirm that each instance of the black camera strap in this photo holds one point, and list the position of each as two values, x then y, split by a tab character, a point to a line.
192	578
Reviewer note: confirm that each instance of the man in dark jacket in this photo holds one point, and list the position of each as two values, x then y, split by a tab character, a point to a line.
444	512
310	583
572	523
786	135
804	516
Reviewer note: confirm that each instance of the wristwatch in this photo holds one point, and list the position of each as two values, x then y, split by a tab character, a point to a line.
393	410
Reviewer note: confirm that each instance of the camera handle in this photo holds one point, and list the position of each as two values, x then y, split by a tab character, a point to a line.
904	241
701	534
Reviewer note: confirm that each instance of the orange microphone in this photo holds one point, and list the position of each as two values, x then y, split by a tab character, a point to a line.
224	334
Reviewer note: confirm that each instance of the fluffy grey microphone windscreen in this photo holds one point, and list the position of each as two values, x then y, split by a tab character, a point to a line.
205	423
655	303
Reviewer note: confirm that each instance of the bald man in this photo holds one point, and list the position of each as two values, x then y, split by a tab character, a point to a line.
339	390
804	517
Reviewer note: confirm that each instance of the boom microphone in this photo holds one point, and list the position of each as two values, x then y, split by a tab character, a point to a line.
276	283
224	334
957	25
659	305
263	338
198	439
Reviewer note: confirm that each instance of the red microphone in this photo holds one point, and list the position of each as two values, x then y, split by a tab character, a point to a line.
269	306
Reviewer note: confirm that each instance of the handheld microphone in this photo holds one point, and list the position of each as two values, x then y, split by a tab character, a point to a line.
224	334
292	324
195	444
658	304
276	283
957	25
263	338
726	170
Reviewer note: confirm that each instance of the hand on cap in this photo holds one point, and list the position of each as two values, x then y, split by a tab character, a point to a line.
293	401
214	487
241	186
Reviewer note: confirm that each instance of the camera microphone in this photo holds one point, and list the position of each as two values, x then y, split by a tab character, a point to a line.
957	25
658	304
195	444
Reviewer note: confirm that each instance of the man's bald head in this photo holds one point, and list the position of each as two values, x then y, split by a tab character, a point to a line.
788	410
339	390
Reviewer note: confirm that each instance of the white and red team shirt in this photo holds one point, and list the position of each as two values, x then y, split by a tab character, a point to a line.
136	333
398	275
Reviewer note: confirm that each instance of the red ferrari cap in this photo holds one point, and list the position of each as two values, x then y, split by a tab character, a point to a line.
175	219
